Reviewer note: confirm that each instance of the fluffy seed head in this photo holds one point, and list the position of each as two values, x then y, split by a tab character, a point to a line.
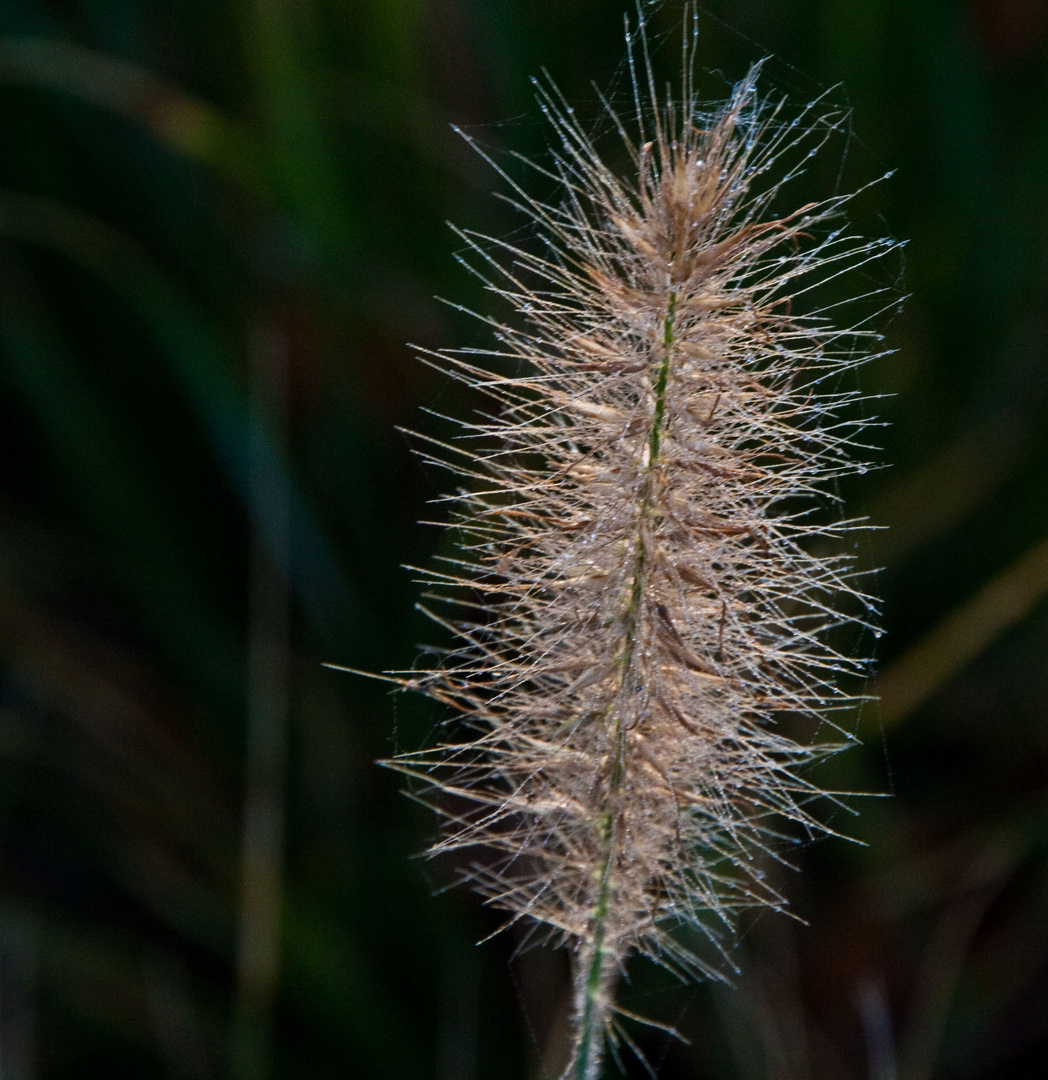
647	577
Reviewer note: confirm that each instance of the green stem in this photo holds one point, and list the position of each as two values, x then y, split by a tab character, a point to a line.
591	1022
660	386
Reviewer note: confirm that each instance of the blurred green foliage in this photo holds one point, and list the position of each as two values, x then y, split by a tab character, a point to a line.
219	224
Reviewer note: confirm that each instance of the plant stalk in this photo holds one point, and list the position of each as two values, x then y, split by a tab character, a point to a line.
593	1013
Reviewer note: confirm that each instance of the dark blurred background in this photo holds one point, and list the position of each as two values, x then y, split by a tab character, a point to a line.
220	223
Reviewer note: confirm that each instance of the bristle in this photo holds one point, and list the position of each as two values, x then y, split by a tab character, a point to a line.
647	587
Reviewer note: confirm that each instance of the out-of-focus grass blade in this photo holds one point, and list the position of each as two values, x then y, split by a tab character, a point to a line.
118	500
939	492
963	635
202	363
185	123
172	850
283	52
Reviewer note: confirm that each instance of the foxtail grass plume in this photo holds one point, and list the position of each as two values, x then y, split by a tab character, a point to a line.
647	573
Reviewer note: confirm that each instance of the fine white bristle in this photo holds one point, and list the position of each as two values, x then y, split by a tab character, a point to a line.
647	576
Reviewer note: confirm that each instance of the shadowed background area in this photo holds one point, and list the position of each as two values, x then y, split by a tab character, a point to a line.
219	224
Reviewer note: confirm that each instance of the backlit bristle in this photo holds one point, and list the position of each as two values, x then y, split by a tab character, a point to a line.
645	582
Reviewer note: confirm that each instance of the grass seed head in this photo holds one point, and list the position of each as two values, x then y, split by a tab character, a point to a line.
647	585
